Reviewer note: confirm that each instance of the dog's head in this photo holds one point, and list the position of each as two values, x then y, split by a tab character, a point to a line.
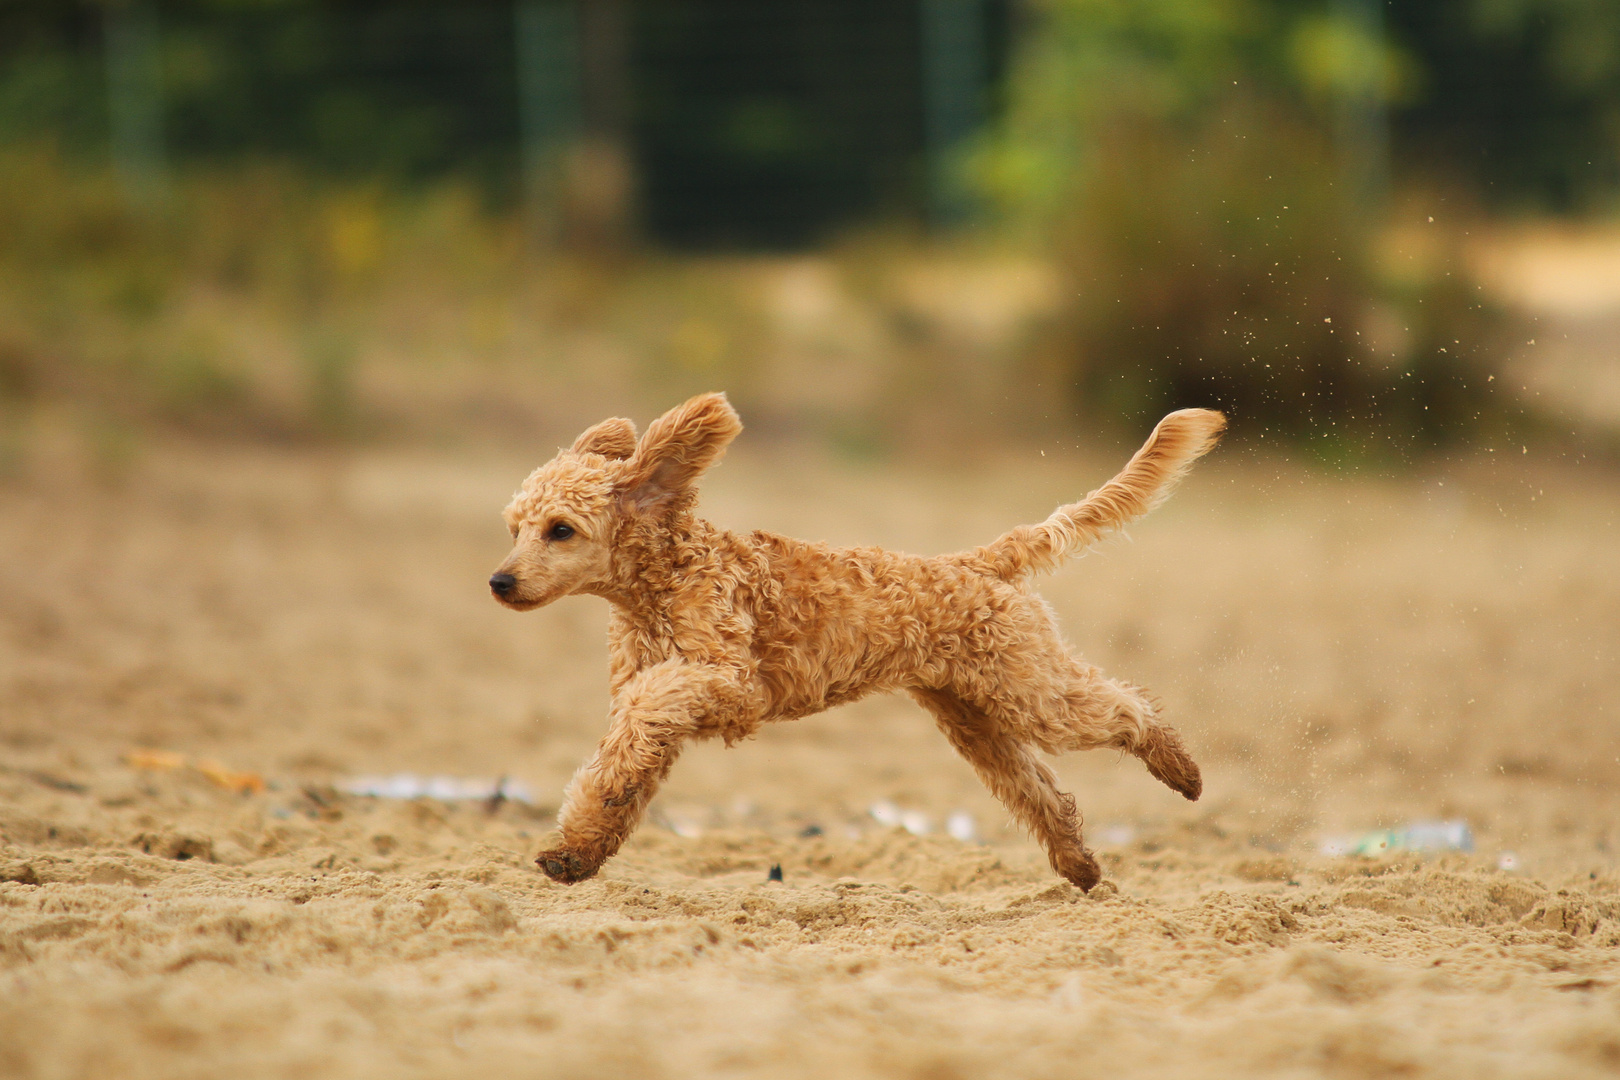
569	510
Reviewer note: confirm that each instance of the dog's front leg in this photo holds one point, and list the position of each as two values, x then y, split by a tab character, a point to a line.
653	713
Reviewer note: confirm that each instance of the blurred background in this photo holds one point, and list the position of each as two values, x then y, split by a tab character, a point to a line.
877	224
293	294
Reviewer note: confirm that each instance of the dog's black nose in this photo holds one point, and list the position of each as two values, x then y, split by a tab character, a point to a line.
501	584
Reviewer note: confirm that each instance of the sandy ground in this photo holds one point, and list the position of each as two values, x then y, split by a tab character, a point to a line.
1562	282
1342	654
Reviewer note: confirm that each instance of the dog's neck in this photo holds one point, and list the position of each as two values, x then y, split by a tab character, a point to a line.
652	561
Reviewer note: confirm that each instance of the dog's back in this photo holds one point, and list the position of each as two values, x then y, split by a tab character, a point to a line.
839	623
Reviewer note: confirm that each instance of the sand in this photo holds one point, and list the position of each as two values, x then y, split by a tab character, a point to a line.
1343	653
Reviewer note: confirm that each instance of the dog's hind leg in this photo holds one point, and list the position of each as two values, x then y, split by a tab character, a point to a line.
1019	779
1082	710
654	712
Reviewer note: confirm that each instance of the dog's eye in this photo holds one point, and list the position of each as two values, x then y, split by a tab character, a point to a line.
560	531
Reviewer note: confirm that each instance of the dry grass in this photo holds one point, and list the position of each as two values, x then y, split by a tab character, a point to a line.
266	306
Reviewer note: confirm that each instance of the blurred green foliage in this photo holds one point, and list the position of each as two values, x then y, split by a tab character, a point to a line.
401	90
1520	99
754	124
1211	178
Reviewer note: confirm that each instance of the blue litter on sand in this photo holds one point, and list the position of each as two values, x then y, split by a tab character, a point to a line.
1417	836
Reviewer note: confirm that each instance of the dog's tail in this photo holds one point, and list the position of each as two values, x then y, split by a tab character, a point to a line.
1153	472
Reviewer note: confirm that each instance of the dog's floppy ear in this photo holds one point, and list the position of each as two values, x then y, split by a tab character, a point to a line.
615	438
677	448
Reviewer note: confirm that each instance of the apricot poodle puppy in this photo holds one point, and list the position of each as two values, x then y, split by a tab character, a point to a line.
714	634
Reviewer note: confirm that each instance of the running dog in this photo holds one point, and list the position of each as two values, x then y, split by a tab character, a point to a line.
714	634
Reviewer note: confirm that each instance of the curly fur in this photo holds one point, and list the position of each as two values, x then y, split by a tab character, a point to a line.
713	633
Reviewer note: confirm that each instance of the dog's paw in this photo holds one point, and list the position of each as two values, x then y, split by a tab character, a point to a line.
568	867
1171	765
1194	785
1181	775
1077	867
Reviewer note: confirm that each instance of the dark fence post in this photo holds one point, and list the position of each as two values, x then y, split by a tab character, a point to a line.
955	71
601	178
135	102
547	54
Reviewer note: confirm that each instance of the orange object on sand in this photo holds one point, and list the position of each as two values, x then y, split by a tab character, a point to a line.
244	783
142	758
218	774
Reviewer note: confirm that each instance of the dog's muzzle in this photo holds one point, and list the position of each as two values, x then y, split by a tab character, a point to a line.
502	584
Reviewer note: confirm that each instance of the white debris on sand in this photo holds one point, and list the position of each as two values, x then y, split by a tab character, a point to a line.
890	816
885	813
961	826
443	788
1116	835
